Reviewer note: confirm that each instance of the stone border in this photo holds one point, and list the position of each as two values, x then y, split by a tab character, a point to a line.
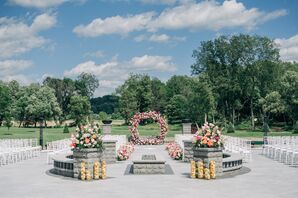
64	163
233	162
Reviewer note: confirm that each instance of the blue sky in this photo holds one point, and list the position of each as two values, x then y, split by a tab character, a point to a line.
112	39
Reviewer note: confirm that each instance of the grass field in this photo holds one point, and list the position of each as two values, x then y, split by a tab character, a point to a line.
51	134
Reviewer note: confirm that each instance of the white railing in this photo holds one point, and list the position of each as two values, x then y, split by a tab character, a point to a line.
15	150
282	148
238	145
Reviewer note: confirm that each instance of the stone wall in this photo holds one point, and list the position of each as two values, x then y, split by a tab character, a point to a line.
188	150
89	156
149	168
210	154
109	153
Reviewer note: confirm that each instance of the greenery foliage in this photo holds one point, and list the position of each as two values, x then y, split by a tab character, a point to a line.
230	128
65	129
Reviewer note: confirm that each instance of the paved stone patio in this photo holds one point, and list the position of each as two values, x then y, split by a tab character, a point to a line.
32	179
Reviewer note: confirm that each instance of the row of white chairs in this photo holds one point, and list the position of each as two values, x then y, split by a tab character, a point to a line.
58	144
282	148
13	143
57	147
15	150
238	145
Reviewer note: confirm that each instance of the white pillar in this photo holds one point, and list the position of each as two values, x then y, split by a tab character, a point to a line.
186	128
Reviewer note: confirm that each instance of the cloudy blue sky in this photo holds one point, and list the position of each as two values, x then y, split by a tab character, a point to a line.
113	38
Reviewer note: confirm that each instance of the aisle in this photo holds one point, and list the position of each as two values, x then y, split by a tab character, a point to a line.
29	179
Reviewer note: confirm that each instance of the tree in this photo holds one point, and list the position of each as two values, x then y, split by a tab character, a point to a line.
80	109
86	84
237	67
159	95
5	101
20	112
64	90
102	115
43	105
178	85
107	103
176	110
289	93
135	95
201	102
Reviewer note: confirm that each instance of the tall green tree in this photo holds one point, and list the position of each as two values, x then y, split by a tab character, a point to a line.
237	68
176	109
135	95
289	92
64	90
80	109
86	84
43	105
5	101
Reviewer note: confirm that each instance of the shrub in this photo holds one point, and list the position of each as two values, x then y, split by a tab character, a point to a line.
65	130
230	128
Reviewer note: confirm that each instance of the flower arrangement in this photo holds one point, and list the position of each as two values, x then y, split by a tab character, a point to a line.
209	136
125	151
87	137
135	120
174	150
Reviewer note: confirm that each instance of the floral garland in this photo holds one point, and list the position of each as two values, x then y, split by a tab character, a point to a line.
87	137
209	136
174	150
135	120
125	151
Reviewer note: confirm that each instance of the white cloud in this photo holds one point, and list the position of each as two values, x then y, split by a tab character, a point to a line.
159	38
9	67
113	73
16	37
114	25
288	48
205	15
43	22
211	15
153	63
37	3
22	79
96	54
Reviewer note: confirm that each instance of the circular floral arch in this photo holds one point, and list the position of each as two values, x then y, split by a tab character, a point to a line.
135	121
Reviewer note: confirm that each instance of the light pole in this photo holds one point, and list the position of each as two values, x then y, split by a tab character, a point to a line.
41	132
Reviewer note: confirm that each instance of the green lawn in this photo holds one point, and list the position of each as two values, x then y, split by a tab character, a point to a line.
51	134
257	134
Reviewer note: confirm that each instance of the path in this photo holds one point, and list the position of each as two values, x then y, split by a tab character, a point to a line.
266	179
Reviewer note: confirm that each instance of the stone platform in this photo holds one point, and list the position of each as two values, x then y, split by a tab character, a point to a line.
149	164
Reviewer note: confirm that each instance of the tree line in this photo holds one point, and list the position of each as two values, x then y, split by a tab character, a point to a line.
55	99
234	79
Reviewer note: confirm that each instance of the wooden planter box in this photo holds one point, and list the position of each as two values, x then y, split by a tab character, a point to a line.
87	155
209	154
